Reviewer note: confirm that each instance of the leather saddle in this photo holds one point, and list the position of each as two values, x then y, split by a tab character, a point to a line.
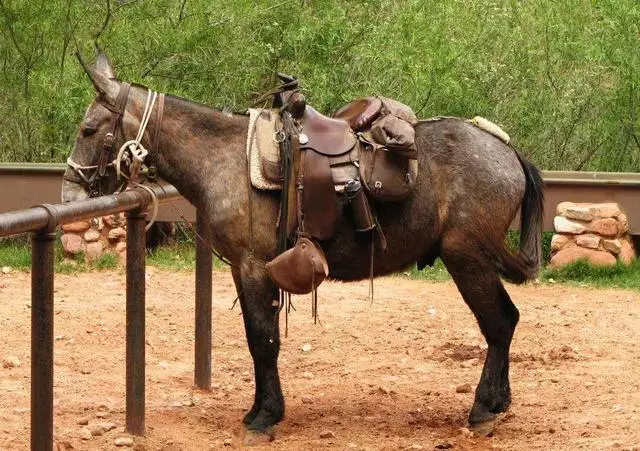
327	136
353	149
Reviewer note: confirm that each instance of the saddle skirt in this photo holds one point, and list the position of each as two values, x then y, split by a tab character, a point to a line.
263	153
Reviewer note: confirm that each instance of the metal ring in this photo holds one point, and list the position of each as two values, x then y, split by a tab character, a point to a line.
279	136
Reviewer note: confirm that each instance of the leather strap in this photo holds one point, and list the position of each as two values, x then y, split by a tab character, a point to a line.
159	114
319	202
110	137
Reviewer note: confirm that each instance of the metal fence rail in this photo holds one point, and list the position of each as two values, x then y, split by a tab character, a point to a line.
42	222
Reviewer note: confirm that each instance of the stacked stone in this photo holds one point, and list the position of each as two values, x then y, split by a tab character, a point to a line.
96	237
598	233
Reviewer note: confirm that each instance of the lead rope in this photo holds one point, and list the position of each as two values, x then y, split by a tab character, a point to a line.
138	154
134	146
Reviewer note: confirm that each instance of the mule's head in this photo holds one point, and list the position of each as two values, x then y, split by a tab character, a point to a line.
110	120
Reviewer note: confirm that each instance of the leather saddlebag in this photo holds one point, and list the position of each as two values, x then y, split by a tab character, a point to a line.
386	175
301	269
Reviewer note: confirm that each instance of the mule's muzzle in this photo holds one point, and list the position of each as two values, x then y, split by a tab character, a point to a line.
73	191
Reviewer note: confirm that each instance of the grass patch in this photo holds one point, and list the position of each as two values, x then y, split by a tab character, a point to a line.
435	273
584	274
180	256
579	273
16	253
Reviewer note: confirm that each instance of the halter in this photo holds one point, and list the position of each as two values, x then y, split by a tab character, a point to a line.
132	151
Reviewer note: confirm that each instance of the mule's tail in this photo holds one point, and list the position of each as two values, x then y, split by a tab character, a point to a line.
524	265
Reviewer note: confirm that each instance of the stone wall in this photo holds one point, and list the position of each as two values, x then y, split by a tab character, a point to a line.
598	233
96	237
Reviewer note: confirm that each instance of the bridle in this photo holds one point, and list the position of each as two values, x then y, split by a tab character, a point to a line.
131	152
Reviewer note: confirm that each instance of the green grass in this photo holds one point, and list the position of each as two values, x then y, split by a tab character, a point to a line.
435	273
16	253
181	257
579	273
583	274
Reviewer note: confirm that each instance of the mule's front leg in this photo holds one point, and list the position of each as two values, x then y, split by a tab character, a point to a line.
257	293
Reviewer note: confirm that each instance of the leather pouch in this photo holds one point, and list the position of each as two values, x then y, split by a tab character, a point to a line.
301	269
386	175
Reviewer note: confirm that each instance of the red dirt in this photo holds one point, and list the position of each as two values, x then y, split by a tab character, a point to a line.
378	377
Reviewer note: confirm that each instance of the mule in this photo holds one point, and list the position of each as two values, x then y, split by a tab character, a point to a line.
470	187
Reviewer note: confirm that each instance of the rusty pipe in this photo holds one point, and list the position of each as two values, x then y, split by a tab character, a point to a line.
35	218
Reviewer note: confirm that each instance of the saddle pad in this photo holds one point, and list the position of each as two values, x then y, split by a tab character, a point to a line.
260	144
261	147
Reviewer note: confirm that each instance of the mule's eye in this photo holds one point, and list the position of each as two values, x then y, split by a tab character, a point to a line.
87	130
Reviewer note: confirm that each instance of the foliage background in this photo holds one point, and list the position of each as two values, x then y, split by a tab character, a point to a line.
562	78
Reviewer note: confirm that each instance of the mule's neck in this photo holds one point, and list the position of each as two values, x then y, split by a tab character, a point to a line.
198	145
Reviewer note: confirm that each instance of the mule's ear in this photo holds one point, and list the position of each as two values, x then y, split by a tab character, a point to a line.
105	86
104	66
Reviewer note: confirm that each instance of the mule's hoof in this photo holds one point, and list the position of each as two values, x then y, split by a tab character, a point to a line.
485	428
490	422
253	437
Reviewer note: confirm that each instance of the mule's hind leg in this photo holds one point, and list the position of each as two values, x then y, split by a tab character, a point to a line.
256	293
482	290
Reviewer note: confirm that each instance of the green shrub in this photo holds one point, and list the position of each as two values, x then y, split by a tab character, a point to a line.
560	77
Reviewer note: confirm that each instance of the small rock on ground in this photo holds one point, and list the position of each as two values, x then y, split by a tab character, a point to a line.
466	432
327	434
306	399
85	434
96	430
11	362
83	421
464	388
124	441
227	442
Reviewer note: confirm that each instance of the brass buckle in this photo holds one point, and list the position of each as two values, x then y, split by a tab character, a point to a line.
109	140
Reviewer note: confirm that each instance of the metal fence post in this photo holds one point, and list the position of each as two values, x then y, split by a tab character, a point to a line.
42	340
204	268
135	391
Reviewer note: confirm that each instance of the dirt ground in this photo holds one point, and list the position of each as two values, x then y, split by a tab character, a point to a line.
379	376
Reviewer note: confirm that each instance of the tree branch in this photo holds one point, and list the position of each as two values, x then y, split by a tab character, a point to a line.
12	34
105	24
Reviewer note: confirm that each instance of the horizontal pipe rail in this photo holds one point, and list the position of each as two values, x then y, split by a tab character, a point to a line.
47	215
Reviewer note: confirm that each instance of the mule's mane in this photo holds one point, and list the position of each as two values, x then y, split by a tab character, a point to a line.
192	106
